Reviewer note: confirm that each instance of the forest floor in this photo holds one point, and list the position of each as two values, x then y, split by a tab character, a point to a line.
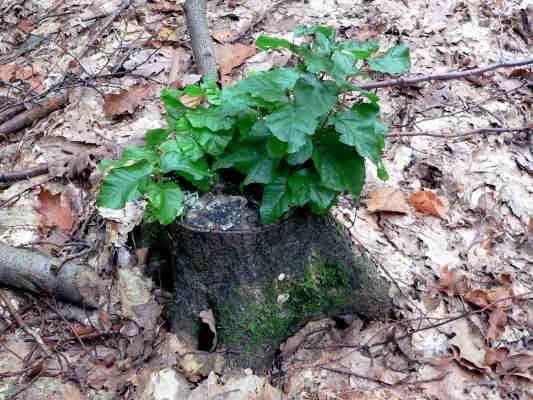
460	262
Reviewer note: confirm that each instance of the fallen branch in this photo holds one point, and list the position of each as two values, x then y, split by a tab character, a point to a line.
10	112
473	132
15	176
442	76
36	272
27	118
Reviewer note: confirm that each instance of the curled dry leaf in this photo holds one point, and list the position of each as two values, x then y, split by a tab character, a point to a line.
230	56
126	101
429	203
516	363
495	356
501	297
452	282
191	102
477	297
497	322
387	199
55	210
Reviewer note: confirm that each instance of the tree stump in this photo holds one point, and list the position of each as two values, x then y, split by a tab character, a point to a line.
263	283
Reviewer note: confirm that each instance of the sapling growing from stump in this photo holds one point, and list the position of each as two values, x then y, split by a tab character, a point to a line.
287	140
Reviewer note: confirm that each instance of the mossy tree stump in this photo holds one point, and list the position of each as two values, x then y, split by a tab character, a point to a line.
263	283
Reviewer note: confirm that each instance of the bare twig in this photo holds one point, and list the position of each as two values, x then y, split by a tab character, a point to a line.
15	176
473	132
442	76
26	118
23	325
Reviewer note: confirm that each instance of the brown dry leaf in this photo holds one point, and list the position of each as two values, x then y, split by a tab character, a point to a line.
506	278
495	356
429	203
191	102
497	322
8	71
452	282
230	56
126	101
222	36
501	297
387	199
56	211
168	34
477	297
516	363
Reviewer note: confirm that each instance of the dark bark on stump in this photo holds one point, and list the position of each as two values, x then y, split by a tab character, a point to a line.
202	44
236	274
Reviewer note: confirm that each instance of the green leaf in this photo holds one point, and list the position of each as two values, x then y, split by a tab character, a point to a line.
260	129
315	97
190	170
213	143
262	171
362	128
270	86
185	145
306	188
165	202
322	45
140	153
339	166
123	184
327	31
104	165
316	63
360	50
212	118
242	157
267	43
276	148
276	200
212	91
193	91
292	124
174	108
343	66
154	137
396	60
302	155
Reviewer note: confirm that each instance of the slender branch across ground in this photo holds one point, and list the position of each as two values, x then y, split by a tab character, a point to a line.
442	76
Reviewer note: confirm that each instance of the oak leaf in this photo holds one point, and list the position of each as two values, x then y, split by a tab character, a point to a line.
387	199
126	101
55	210
429	203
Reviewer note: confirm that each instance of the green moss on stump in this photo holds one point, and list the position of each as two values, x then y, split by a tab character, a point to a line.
287	304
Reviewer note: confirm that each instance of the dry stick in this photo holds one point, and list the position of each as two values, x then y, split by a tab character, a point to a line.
11	112
383	383
442	76
202	44
478	131
15	176
26	118
23	325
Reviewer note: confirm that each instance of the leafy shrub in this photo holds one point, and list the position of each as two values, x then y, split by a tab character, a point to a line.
285	131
